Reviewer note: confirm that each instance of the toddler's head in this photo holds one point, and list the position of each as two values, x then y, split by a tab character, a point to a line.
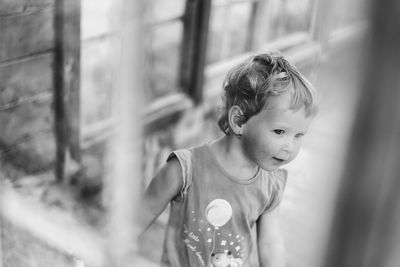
250	85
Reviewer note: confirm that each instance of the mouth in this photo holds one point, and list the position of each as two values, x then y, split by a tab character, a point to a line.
279	159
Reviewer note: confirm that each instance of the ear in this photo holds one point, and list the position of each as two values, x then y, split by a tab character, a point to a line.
235	120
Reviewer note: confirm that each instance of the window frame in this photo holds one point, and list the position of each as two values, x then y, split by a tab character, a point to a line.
190	75
303	42
193	72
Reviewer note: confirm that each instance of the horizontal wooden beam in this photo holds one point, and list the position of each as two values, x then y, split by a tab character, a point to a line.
32	154
26	120
154	117
54	227
18	7
35	68
34	28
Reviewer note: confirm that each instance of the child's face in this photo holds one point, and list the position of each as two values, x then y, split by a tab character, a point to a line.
273	137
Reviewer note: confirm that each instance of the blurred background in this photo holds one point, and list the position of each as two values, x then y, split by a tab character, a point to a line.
94	95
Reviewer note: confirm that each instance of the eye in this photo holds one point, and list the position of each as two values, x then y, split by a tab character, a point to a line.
279	131
299	135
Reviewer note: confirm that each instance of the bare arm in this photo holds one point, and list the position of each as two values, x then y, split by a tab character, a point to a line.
270	243
164	187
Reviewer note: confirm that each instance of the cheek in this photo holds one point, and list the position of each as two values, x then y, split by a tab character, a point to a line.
253	146
258	147
296	150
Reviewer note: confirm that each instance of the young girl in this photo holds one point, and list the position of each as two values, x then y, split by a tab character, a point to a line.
221	190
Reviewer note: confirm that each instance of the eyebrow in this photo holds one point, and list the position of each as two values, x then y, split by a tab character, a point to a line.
280	125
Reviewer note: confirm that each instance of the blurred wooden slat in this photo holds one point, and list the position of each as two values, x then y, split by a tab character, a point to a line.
25	121
124	157
366	232
8	7
26	84
98	80
157	115
1	240
26	33
32	155
25	78
57	229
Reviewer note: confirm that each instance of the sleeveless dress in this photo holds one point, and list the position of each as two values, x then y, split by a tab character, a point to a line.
212	221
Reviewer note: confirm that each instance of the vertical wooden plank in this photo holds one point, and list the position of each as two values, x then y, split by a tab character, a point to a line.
251	27
322	22
226	32
262	18
66	81
1	237
365	231
124	158
71	50
58	81
98	79
194	44
314	8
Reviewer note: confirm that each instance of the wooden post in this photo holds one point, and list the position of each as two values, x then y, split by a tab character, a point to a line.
194	44
124	158
58	84
72	58
1	239
366	229
66	81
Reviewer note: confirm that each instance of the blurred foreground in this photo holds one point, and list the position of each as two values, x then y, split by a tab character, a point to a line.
66	201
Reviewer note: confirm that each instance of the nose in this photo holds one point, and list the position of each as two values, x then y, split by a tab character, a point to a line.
288	146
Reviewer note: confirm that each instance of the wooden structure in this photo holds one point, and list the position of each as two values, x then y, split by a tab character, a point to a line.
366	227
61	110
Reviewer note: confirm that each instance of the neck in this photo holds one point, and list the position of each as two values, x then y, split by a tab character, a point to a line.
231	157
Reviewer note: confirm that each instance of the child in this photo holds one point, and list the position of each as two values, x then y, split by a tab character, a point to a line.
219	191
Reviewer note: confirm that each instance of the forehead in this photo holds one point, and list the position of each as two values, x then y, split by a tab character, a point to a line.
279	102
279	113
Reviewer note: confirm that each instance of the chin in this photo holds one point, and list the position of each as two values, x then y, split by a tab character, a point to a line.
269	168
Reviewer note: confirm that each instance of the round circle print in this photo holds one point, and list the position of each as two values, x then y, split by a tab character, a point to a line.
218	212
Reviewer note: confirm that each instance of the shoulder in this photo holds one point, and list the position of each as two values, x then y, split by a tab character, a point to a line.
165	185
280	178
275	179
273	188
172	167
187	156
181	155
182	167
168	177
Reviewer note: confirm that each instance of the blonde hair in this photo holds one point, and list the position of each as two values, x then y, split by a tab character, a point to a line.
251	83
